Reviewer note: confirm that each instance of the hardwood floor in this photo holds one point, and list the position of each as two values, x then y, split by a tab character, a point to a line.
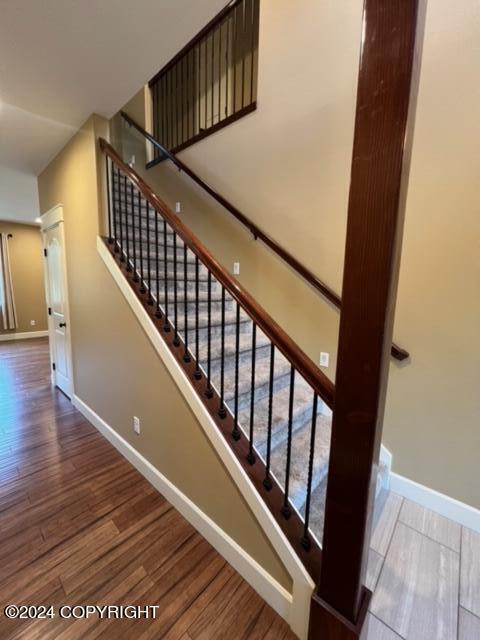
79	525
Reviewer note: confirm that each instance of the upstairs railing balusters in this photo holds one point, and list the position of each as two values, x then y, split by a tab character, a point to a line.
194	78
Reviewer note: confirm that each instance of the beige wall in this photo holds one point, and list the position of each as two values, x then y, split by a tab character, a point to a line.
287	166
116	371
27	276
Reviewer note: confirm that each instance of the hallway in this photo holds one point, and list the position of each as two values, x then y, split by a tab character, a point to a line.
79	525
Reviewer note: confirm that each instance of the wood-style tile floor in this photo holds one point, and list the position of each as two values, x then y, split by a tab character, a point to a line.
79	525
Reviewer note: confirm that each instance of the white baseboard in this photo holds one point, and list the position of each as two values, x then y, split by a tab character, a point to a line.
263	583
22	335
386	460
453	509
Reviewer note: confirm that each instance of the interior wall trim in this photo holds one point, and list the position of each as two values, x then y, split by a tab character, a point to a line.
446	506
303	585
22	335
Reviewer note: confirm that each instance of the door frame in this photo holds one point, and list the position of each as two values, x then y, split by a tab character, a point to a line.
49	219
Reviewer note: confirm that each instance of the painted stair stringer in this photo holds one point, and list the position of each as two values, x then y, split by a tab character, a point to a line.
293	607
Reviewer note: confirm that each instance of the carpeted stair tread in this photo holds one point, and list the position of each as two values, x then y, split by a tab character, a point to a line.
300	459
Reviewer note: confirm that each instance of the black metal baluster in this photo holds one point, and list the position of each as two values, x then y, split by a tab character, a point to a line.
158	311
140	231
236	431
109	204
306	542
209	390
267	483
134	242
129	267
186	355
116	204
176	339
166	326
149	263
222	412
197	374
286	510
120	177
167	115
251	456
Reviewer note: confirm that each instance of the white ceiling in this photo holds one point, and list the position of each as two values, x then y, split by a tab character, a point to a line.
61	60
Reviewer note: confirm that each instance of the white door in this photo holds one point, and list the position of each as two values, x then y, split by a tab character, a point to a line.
57	300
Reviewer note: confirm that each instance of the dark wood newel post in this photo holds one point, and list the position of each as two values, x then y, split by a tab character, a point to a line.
392	35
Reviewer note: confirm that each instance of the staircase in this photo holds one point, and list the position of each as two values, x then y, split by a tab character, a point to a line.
272	406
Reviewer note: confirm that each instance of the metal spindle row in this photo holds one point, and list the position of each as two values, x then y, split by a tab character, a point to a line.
214	79
131	222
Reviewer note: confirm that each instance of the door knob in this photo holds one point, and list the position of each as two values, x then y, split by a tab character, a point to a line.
62	324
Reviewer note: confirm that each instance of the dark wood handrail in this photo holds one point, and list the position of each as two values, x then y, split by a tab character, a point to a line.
397	352
298	358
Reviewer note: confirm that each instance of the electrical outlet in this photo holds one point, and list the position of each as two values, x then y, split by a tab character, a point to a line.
132	161
324	359
136	425
236	268
33	323
178	207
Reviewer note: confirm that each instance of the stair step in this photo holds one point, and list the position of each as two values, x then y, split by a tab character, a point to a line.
300	459
245	350
302	412
262	381
215	321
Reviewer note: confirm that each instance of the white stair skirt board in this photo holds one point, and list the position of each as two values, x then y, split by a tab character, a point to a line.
22	335
295	607
453	509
